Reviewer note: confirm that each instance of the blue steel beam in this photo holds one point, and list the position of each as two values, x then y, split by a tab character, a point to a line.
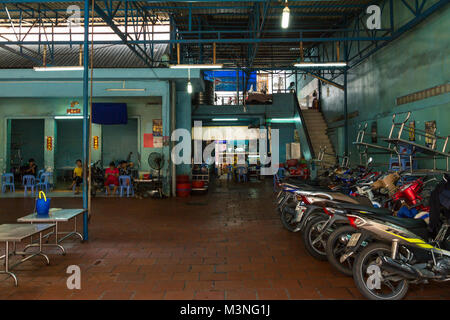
136	49
86	136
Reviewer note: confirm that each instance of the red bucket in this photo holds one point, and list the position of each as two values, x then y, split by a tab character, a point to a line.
183	189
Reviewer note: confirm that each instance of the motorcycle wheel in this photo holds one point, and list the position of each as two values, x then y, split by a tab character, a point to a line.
364	279
314	245
336	246
287	218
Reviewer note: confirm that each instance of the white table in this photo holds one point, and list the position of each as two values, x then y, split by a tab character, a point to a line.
16	233
55	217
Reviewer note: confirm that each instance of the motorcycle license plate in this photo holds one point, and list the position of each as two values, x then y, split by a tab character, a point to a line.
354	240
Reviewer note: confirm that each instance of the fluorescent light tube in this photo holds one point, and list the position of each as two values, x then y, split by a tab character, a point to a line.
66	68
285	18
196	66
285	120
225	119
320	64
68	117
123	89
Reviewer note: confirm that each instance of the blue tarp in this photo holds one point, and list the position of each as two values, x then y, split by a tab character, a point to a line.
109	113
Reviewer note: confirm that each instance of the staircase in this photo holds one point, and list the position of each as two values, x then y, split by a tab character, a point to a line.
317	130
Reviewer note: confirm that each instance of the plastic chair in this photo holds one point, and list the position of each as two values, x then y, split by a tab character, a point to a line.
112	187
242	173
39	175
8	181
404	164
44	182
74	186
29	181
125	183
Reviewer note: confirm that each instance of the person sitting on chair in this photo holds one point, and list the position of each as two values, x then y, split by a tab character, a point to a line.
112	177
30	169
77	177
125	169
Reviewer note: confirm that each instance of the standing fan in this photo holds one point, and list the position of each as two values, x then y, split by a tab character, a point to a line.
156	162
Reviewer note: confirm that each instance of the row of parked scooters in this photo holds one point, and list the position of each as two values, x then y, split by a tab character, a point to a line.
387	230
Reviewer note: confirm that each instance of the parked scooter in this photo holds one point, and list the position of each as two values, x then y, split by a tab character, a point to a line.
400	254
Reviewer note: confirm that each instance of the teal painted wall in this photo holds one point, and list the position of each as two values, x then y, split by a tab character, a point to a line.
119	141
416	61
286	132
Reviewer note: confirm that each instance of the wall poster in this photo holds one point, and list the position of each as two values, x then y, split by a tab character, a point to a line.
412	131
157	128
430	130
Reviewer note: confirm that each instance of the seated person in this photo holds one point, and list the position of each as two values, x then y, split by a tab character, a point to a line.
30	168
112	177
125	169
77	177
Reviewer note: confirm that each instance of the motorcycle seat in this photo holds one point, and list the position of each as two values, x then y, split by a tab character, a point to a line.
407	223
359	207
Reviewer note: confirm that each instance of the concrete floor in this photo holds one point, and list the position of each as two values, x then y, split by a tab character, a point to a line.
229	244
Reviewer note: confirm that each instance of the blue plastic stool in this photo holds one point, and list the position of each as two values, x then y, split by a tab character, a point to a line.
39	175
44	182
124	185
29	181
8	181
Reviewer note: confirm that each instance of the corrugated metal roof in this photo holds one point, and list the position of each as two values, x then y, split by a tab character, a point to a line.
215	15
107	56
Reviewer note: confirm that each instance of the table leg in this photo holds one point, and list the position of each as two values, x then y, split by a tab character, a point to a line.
40	249
6	271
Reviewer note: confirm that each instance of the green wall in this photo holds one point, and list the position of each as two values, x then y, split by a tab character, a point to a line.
416	61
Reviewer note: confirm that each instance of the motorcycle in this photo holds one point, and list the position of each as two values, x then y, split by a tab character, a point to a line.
98	178
408	194
400	253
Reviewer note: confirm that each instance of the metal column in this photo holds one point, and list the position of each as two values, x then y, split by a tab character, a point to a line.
85	117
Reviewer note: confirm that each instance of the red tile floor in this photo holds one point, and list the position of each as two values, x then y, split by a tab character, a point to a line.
228	244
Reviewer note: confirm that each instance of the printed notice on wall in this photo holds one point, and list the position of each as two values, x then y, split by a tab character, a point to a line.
148	140
157	128
157	142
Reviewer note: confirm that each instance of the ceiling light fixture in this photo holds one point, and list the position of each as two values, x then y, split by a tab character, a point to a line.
66	68
68	117
196	66
225	119
321	65
285	17
189	84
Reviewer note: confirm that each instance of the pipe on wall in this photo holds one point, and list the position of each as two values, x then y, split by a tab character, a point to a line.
173	123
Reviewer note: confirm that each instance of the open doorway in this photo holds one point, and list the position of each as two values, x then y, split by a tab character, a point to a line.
26	142
69	148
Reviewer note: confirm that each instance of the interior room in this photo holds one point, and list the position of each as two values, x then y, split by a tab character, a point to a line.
224	150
